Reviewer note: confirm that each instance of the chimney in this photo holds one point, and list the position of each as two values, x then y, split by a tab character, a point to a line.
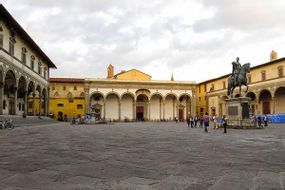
273	55
110	72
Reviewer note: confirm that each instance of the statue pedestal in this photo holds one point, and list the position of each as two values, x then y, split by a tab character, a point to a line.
238	113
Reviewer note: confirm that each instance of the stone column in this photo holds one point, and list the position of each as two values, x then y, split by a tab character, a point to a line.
104	105
25	103
163	106
149	110
40	105
273	105
173	115
1	97
87	99
33	105
15	100
134	110
160	104
119	110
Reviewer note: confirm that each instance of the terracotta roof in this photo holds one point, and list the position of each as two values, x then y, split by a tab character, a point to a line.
67	80
11	22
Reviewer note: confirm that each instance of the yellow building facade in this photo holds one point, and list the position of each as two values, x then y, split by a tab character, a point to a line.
67	98
266	89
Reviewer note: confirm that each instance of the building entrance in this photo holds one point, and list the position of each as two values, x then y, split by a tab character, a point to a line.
140	115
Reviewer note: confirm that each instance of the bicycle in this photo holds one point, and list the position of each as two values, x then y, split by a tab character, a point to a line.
7	124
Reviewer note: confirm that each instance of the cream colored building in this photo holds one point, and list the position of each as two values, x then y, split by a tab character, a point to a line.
266	89
132	95
24	70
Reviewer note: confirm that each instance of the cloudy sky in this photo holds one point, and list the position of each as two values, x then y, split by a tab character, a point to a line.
193	39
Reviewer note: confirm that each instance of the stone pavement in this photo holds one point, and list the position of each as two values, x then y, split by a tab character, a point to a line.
140	156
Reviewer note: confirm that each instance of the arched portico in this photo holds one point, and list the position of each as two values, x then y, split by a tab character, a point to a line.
31	98
155	107
184	107
112	106
97	105
10	93
22	94
253	102
265	101
279	100
128	106
170	107
142	103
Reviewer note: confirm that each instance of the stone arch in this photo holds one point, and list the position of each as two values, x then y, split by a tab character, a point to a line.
184	107
127	106
10	93
146	92
279	100
21	95
112	101
31	98
97	105
155	109
142	104
170	106
265	101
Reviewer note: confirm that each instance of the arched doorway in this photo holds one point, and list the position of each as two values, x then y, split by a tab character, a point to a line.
184	107
265	101
155	107
279	100
127	106
97	105
112	106
141	107
170	109
45	102
31	99
252	104
10	93
38	102
2	90
21	99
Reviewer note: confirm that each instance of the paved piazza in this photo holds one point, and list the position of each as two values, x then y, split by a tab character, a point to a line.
140	156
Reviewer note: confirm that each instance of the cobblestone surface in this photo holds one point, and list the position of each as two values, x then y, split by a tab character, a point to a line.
140	156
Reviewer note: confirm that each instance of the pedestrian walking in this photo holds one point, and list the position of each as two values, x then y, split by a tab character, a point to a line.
225	123
188	121
201	121
191	121
265	121
195	120
206	120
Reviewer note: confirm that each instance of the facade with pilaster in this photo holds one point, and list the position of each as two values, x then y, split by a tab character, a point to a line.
24	70
266	84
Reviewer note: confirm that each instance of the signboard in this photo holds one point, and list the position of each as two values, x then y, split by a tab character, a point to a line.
233	110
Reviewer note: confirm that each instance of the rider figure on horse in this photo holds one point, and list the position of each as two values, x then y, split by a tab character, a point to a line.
236	69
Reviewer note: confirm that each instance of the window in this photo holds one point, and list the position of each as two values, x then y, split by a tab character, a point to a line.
24	59
199	99
75	88
280	71
79	106
249	78
199	89
205	87
64	87
39	68
32	62
1	37
12	46
205	98
263	75
53	87
224	84
59	105
212	88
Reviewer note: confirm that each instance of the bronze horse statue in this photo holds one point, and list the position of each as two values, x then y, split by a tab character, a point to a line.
238	79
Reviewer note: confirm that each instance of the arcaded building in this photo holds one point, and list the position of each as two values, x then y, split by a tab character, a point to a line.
24	70
132	95
266	89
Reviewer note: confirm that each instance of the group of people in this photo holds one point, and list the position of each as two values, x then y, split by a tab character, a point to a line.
260	121
204	121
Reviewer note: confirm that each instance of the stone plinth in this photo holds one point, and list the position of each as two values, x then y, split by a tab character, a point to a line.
238	113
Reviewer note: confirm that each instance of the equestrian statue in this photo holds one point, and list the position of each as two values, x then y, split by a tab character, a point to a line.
238	77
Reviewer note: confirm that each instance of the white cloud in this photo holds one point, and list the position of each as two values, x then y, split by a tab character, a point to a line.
196	40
